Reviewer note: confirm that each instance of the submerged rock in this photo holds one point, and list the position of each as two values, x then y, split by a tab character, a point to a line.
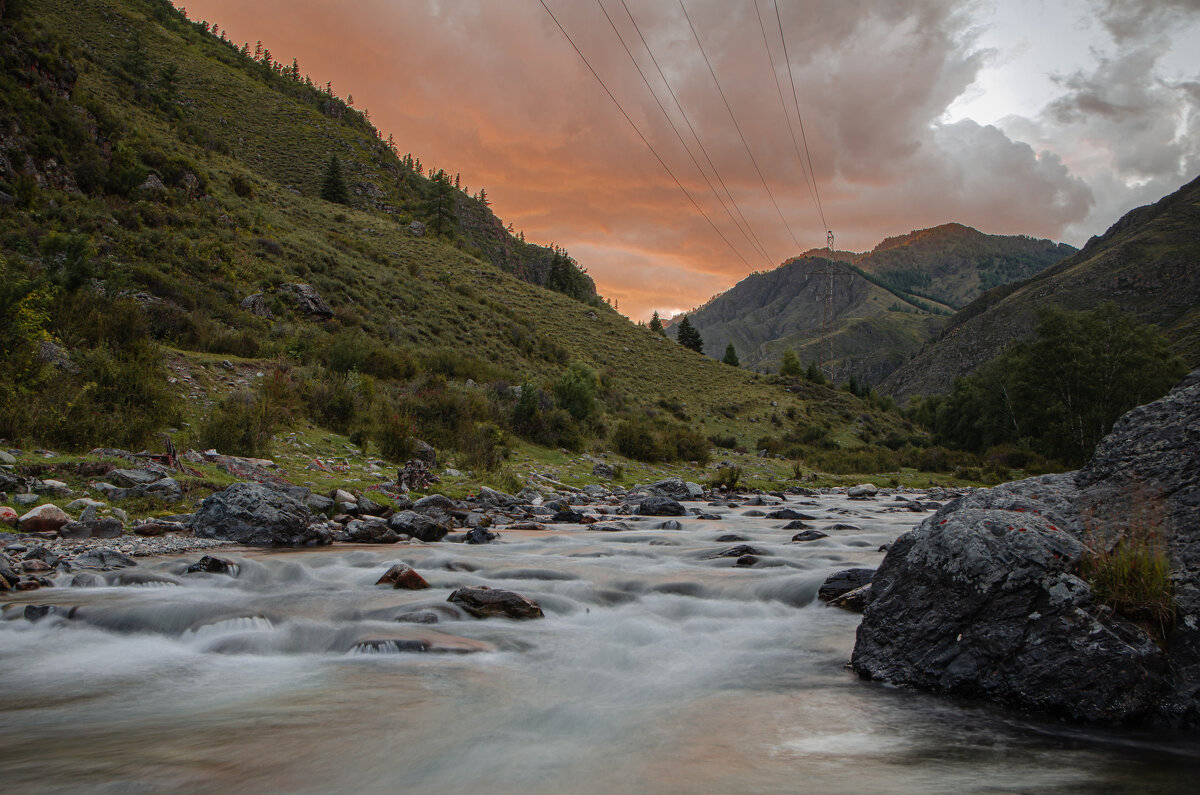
484	602
401	575
841	582
660	506
986	598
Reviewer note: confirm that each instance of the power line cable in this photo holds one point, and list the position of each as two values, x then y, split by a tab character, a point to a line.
737	126
783	108
749	230
758	249
796	99
640	135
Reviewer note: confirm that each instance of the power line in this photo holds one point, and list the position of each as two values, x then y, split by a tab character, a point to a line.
640	135
783	108
759	248
749	230
795	98
737	126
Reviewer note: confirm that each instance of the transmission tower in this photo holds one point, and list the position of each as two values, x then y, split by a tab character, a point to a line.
825	351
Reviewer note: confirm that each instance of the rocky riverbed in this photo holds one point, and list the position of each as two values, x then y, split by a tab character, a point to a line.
609	650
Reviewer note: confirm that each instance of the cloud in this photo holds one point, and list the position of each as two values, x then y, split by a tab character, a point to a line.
493	91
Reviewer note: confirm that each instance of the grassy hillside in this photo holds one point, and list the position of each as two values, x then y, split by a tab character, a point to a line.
1146	263
161	200
887	303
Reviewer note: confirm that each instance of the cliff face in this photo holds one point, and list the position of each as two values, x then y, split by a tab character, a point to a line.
990	596
1148	263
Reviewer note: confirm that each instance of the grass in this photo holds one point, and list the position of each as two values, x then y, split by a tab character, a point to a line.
1133	575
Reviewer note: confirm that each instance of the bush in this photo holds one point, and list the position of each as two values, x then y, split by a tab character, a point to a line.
575	391
241	424
1133	576
726	478
643	440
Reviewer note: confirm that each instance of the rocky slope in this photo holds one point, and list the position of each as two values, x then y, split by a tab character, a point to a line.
887	302
986	598
1146	263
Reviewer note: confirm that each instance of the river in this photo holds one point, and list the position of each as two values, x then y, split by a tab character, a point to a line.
656	669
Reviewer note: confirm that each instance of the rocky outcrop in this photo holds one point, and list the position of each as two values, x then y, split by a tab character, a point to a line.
308	300
986	598
258	515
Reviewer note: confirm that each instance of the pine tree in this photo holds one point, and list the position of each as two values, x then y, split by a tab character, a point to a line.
688	336
731	357
656	324
333	185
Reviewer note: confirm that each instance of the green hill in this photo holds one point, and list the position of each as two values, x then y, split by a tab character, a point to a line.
1146	263
169	264
886	302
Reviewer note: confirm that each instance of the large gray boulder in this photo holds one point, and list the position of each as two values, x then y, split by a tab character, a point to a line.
258	515
986	598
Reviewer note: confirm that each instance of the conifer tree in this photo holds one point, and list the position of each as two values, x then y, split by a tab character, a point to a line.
688	336
333	185
656	324
731	357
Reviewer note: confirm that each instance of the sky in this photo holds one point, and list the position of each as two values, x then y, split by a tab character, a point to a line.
704	140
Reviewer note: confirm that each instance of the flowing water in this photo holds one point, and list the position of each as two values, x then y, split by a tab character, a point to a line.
656	669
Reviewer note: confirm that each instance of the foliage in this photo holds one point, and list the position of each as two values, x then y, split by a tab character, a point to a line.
726	478
645	440
656	324
1133	576
790	366
1060	392
731	357
575	391
688	336
333	183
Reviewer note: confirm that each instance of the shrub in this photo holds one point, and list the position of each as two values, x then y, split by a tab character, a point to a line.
1133	576
241	424
726	478
575	391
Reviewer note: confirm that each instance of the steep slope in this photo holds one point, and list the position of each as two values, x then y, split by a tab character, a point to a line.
161	190
904	289
1148	262
766	313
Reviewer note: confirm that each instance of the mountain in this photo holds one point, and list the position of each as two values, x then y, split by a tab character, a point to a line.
886	302
161	207
1147	263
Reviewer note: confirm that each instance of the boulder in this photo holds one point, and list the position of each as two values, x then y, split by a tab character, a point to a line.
678	489
258	515
46	518
401	575
212	565
862	491
107	527
159	527
660	506
8	516
256	305
989	596
480	535
418	526
609	527
855	601
484	602
736	552
788	513
372	530
841	582
603	470
133	477
308	300
808	535
103	559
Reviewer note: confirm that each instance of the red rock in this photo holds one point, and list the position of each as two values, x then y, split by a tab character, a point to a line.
401	575
8	515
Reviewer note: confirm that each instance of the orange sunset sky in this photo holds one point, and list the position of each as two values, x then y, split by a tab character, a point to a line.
1015	117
